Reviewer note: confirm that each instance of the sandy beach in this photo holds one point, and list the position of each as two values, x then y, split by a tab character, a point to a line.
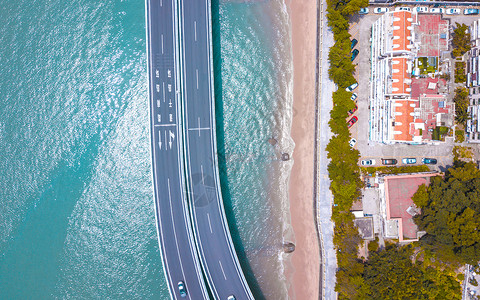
305	259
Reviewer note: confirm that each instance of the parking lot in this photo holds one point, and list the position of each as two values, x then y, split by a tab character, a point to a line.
360	29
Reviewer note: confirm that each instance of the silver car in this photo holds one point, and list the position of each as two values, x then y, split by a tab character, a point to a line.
453	11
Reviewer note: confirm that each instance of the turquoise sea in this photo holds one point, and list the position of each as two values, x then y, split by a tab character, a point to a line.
76	209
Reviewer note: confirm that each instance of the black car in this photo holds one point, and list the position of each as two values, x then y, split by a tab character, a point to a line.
429	161
389	161
354	54
354	43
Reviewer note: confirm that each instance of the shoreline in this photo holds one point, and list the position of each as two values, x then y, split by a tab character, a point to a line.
305	260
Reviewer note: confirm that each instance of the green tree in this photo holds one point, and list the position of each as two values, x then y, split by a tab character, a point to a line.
391	274
461	40
451	214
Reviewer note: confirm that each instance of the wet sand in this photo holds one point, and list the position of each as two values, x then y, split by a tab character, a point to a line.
306	258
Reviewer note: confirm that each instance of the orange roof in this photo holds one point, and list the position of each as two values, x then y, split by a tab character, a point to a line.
403	112
401	30
400	76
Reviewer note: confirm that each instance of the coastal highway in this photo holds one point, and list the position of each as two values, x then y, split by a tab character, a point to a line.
216	250
180	258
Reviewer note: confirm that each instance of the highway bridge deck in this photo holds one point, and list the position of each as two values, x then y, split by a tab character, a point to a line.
216	249
180	258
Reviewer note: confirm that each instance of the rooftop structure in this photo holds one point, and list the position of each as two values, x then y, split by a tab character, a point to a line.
404	70
473	83
398	208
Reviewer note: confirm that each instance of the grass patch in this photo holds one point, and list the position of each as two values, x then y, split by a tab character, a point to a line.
427	65
394	170
460	76
459	136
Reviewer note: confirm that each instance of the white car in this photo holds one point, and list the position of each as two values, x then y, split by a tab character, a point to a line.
403	9
351	87
436	10
354	96
352	142
422	10
381	10
368	162
453	11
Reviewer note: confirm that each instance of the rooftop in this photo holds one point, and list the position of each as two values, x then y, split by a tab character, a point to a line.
399	190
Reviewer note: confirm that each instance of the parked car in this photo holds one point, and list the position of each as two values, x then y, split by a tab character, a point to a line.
389	161
231	297
352	87
367	162
352	111
403	9
429	161
453	11
352	142
409	161
381	10
471	11
363	11
436	10
182	289
422	9
354	54
354	97
352	121
353	44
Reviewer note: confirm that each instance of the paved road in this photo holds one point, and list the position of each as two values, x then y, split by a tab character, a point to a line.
174	229
216	250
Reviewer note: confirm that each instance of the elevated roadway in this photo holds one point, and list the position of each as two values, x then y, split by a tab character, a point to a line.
216	251
180	259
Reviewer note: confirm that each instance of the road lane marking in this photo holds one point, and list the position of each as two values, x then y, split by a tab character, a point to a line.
221	267
161	2
195	28
162	42
203	177
163	84
199	126
164	125
197	77
209	223
165	139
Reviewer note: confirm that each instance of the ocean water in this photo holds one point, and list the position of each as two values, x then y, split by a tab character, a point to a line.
76	211
254	104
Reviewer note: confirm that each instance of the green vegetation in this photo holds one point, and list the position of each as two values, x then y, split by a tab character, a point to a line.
343	170
391	274
451	214
439	133
373	245
459	136
461	40
473	281
460	76
462	152
394	170
427	65
461	105
385	271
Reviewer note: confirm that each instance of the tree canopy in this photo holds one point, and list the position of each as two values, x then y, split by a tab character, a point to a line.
391	274
461	40
451	214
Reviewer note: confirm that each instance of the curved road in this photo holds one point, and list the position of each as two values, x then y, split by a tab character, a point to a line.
173	222
216	250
